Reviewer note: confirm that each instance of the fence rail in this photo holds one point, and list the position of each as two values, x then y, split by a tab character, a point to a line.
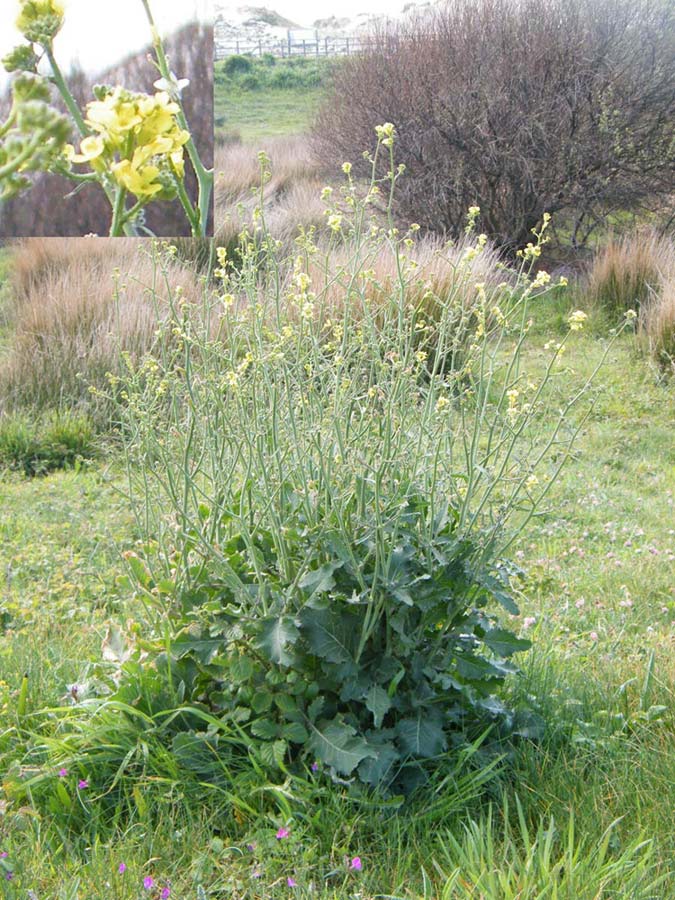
284	48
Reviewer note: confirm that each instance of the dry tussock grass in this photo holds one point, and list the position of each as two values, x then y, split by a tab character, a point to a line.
637	272
435	273
72	315
291	197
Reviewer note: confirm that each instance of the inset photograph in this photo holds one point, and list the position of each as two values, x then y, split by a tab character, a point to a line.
106	118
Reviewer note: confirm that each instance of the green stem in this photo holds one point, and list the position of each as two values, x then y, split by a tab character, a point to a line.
190	211
64	90
118	213
204	175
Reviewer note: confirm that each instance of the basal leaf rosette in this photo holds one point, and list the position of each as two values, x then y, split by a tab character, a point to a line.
40	20
137	140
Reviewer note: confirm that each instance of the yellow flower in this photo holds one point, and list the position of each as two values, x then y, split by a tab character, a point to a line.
576	320
140	182
178	162
90	148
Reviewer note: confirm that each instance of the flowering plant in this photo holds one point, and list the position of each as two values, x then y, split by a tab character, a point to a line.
132	144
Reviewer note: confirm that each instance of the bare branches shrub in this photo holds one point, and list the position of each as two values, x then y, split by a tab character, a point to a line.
521	108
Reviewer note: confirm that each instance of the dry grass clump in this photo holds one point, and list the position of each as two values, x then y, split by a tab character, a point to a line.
291	196
433	273
625	274
657	326
76	304
637	273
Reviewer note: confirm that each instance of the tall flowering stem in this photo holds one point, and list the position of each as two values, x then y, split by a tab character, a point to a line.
204	175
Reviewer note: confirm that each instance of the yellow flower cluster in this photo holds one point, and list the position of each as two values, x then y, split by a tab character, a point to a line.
138	138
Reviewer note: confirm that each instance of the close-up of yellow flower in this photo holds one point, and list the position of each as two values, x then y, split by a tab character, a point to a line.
90	148
138	181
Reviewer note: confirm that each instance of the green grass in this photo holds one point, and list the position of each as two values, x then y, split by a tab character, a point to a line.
600	561
265	110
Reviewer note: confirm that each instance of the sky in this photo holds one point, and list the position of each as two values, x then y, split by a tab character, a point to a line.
99	33
304	12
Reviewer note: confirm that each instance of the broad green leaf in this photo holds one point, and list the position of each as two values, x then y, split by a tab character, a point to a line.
318	581
285	703
295	732
241	668
421	736
374	771
261	701
379	703
327	634
497	591
504	642
273	753
314	708
265	728
337	745
275	637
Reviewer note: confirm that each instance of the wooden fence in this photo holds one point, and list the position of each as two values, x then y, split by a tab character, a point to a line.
290	46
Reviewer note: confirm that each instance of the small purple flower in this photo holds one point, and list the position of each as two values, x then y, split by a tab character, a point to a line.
122	868
166	893
314	767
83	784
291	882
282	833
256	874
63	773
250	847
356	865
148	882
9	876
4	854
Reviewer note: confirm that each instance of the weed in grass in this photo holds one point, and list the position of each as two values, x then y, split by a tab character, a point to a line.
37	445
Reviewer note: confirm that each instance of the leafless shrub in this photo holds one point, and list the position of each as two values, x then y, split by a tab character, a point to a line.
520	108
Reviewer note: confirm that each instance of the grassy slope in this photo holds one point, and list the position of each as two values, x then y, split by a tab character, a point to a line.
607	540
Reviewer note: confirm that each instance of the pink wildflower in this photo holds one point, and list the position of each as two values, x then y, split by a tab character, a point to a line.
148	882
356	865
291	882
282	833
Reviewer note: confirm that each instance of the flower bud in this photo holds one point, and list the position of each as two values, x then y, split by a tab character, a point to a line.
21	59
40	20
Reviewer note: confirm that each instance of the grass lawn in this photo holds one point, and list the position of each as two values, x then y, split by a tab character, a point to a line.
269	100
599	560
257	115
